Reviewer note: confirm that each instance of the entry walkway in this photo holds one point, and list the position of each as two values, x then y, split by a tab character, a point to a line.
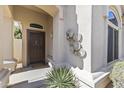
28	76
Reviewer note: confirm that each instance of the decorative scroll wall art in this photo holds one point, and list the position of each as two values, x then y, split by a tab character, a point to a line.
75	43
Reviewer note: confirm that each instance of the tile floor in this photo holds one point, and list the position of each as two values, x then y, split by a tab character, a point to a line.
31	76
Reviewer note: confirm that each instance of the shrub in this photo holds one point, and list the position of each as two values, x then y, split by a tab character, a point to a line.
61	78
117	74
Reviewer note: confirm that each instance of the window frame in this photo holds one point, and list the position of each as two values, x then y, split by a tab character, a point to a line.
115	16
115	28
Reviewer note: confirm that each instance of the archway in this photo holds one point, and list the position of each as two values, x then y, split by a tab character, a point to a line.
34	15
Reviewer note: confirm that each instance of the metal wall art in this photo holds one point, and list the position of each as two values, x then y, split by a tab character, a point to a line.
75	41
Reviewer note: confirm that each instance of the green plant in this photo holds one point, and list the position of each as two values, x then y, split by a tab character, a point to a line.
61	78
17	33
117	74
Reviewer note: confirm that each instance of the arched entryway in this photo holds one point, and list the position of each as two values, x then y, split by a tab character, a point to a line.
38	16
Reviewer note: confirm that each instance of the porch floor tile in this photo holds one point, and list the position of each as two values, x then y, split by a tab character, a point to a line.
28	75
26	84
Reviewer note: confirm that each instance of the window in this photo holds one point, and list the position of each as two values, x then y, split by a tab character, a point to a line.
34	25
113	35
112	18
112	44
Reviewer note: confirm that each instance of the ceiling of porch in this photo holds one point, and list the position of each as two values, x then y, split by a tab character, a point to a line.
50	10
33	8
45	9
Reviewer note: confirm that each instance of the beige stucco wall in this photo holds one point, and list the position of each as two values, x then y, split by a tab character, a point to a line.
27	16
5	34
1	22
49	37
50	9
7	39
17	49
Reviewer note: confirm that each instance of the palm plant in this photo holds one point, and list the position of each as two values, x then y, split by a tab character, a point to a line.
61	78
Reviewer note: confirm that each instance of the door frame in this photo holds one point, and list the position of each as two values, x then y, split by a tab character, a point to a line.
28	34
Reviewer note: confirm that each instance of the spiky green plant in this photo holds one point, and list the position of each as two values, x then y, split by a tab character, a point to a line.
61	78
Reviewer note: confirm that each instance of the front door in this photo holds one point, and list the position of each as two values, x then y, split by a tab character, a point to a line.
36	47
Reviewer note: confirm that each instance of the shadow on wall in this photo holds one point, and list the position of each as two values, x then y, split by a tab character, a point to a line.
77	52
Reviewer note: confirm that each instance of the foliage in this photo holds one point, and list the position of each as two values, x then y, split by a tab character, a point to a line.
61	78
17	33
117	74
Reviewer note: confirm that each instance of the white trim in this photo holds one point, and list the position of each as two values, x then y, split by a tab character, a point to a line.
32	28
114	10
116	14
112	25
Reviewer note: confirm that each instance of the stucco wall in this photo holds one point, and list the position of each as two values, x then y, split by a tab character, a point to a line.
27	16
121	33
7	39
1	23
84	20
78	20
70	23
17	49
58	37
50	9
5	34
123	39
100	37
123	42
50	37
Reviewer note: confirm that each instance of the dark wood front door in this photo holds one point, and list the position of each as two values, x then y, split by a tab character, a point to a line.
36	47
